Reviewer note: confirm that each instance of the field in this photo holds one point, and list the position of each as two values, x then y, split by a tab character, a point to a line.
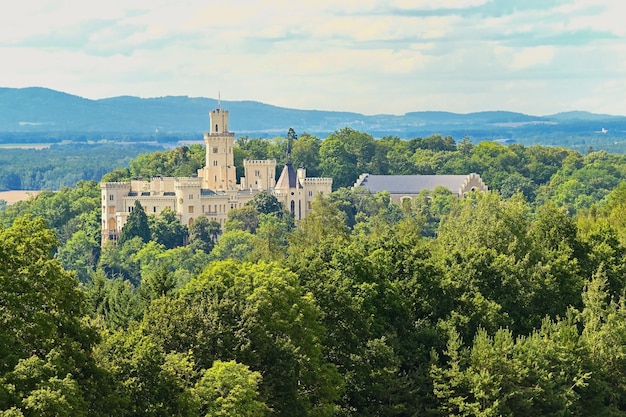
25	146
12	197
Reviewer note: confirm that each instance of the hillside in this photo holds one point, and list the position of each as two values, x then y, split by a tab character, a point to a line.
39	112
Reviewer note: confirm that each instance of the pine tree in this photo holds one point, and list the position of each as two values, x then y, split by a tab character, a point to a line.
136	225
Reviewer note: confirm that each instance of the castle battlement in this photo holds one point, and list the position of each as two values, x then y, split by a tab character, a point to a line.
259	162
318	180
219	135
152	197
194	184
115	185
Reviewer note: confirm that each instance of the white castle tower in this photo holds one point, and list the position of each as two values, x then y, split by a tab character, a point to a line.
219	173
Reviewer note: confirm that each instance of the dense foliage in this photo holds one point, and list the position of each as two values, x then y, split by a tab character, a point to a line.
505	303
63	164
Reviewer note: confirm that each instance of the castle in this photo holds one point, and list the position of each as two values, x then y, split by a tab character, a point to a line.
214	191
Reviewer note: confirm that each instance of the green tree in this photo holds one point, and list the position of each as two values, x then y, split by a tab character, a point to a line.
230	389
604	325
257	315
542	374
337	163
305	152
203	234
80	254
158	282
136	225
152	382
46	348
115	301
122	260
266	203
517	183
167	229
244	218
234	244
270	241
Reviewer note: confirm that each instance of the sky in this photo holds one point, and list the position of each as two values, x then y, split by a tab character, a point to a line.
368	56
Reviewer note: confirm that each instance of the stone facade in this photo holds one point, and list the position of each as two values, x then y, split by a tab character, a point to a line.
215	191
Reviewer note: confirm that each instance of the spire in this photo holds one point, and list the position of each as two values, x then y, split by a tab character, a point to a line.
291	136
288	158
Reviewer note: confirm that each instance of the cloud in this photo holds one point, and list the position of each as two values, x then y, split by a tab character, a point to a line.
528	57
344	55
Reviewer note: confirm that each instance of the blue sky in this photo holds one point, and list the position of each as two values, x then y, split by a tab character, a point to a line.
368	56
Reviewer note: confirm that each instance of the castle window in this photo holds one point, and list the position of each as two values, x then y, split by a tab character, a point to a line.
215	164
154	209
216	129
191	196
190	209
257	173
214	150
310	193
110	197
112	210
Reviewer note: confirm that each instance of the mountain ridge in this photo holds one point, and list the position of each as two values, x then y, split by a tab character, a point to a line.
40	109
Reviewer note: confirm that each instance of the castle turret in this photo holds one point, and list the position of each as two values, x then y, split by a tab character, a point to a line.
259	174
219	173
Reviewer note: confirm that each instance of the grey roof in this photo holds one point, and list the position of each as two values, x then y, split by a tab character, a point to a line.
288	178
410	184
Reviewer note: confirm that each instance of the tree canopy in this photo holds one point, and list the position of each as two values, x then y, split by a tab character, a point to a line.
499	304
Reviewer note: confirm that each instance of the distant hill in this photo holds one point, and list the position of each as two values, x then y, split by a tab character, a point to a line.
36	112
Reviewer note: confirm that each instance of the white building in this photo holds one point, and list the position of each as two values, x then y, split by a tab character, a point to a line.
402	187
215	191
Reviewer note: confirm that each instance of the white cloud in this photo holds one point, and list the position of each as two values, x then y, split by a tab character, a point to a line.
609	19
438	4
342	55
529	57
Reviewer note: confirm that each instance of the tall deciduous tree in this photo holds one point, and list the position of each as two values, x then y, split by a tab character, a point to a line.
230	389
244	218
305	152
266	203
46	349
258	315
203	234
167	229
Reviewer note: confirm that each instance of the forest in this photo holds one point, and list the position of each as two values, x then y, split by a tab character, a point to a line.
64	164
507	303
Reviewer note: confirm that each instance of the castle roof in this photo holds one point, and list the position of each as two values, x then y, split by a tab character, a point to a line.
413	184
288	178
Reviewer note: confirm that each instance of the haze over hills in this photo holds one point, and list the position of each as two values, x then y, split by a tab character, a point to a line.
39	111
